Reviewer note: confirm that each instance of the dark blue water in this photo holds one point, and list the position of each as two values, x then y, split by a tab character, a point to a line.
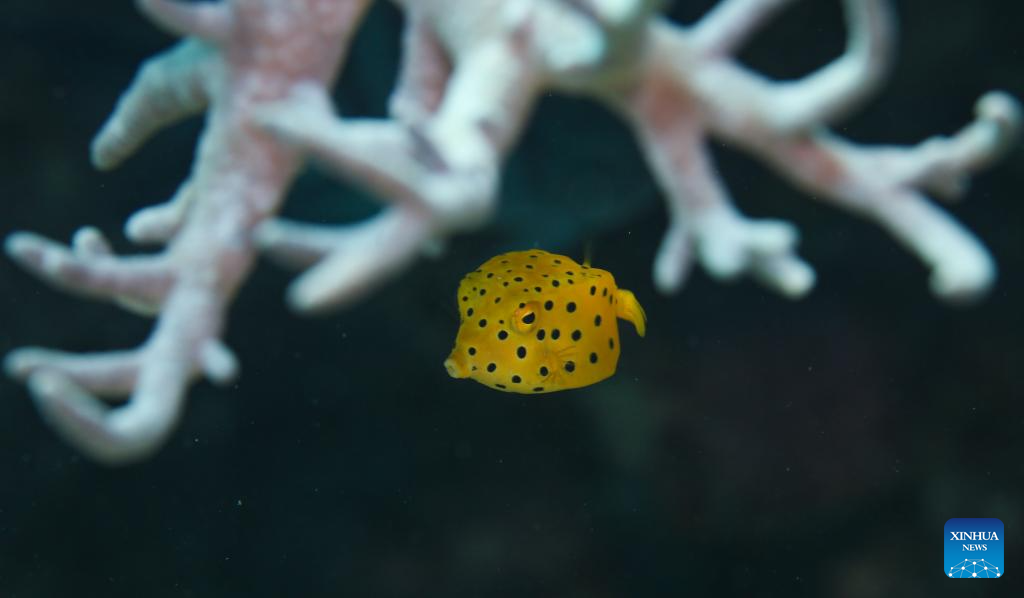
748	446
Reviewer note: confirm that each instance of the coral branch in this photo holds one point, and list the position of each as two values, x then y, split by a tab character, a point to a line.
741	102
942	165
306	121
685	88
348	273
837	88
169	87
141	282
62	385
159	223
700	211
346	266
113	436
731	23
238	182
881	183
209	22
438	163
962	269
218	362
106	374
425	70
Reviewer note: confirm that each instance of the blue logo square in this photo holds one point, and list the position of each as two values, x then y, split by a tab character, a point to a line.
973	548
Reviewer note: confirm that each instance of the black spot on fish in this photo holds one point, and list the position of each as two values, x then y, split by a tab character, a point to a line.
555	283
516	379
483	292
549	304
472	350
555	334
593	290
521	352
597	320
593	358
570	366
543	372
502	335
570	307
491	367
469	312
499	386
611	343
483	323
538	389
529	318
540	334
576	335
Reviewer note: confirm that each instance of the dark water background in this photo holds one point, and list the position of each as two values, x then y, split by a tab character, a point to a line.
749	446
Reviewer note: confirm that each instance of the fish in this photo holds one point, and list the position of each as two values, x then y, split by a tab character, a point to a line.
533	322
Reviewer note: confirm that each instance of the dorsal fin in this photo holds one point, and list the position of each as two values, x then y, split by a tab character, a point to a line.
628	308
588	253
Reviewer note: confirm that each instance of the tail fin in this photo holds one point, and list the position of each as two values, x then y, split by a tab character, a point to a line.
628	308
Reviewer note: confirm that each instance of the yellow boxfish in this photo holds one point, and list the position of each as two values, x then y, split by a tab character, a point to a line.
535	322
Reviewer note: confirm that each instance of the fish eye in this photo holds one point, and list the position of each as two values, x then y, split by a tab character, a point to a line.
525	317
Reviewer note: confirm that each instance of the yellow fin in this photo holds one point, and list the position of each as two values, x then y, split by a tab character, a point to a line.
628	308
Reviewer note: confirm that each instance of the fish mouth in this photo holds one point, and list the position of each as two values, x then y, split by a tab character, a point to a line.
455	369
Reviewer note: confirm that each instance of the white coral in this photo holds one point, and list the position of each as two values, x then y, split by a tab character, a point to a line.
472	70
